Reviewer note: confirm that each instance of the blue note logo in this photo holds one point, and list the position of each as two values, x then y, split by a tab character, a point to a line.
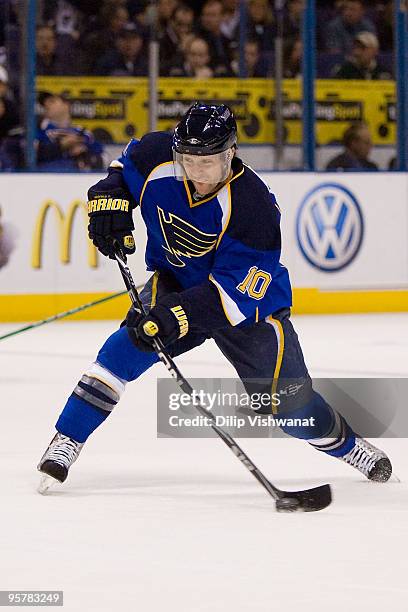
329	227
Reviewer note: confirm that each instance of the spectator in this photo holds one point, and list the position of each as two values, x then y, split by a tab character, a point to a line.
165	10
256	66
362	64
197	61
11	142
261	23
292	58
113	17
137	10
172	42
12	150
128	57
342	30
230	19
64	15
384	22
63	146
88	9
8	117
67	20
49	61
4	84
357	144
7	241
292	22
13	35
210	30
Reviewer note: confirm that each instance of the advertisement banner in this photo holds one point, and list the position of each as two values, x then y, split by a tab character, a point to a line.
116	109
344	231
345	243
47	262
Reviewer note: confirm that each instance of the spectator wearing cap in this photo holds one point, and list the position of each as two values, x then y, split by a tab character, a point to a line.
49	61
357	148
172	42
342	30
128	57
362	63
63	146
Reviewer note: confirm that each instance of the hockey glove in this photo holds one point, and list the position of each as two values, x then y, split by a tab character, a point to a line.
110	209
167	320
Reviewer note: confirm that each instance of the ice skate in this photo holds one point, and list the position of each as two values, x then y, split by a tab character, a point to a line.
369	460
61	453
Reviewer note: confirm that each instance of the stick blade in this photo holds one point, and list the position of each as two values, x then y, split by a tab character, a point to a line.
310	500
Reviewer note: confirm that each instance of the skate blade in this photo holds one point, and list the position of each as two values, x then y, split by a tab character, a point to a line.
46	483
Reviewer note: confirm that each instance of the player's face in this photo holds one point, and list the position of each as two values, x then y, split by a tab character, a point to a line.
206	169
203	168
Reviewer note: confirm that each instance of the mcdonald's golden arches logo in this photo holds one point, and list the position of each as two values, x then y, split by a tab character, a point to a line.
65	228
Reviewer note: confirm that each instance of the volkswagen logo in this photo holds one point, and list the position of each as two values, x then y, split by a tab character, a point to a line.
329	227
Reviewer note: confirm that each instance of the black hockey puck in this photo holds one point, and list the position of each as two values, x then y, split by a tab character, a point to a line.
288	504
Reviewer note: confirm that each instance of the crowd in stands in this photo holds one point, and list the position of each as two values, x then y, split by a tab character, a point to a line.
201	38
109	37
197	38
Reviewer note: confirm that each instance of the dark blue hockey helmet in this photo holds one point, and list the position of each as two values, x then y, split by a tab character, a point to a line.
205	129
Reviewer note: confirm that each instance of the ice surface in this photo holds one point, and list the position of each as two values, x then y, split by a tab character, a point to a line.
146	524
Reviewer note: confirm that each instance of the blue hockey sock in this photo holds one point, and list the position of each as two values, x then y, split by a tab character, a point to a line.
79	419
102	385
338	441
330	432
122	358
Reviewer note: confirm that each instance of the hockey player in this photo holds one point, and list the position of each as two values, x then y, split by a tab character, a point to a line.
214	246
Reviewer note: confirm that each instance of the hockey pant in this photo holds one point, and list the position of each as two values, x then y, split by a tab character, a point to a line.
266	356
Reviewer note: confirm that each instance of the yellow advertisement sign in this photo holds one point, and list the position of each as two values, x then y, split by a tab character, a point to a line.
116	109
65	227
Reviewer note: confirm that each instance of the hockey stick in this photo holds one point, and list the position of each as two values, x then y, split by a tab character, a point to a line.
308	500
61	315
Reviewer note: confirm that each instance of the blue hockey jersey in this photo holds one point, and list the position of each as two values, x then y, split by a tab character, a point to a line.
223	249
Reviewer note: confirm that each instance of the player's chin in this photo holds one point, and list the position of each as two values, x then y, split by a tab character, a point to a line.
203	183
199	180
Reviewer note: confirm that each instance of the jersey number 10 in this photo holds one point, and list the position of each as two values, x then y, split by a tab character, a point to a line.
255	283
